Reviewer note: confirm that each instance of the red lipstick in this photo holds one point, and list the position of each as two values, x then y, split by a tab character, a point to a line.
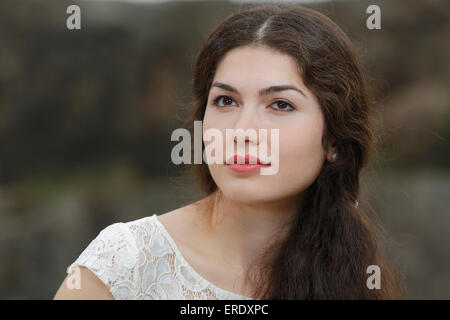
245	164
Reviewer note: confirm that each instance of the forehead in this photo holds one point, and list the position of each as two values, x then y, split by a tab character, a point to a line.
258	65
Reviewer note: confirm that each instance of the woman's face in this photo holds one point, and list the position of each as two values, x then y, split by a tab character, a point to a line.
296	114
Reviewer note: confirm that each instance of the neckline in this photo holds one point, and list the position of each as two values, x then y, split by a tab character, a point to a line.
191	269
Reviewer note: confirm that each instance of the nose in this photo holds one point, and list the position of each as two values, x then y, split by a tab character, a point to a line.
246	126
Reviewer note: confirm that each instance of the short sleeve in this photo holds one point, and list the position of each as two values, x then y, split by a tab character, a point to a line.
112	256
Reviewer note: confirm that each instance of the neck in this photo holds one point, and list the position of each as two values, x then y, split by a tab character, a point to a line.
240	231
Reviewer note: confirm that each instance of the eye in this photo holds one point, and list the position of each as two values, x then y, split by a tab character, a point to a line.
283	106
226	100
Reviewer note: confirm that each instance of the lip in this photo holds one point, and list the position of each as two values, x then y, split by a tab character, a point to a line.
246	166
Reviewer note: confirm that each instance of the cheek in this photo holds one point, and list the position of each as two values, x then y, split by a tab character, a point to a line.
207	120
213	121
301	152
300	141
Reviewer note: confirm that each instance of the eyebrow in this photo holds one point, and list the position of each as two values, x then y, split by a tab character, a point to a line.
263	91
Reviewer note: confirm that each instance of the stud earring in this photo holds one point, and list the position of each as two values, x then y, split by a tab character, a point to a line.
334	156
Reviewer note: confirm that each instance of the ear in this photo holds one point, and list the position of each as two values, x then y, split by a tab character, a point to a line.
332	154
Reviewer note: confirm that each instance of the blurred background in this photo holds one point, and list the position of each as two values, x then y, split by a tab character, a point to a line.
86	117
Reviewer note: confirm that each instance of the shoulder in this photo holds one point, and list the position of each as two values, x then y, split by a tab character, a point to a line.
131	258
115	243
112	256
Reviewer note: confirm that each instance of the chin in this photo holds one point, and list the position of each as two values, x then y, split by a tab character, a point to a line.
245	192
245	189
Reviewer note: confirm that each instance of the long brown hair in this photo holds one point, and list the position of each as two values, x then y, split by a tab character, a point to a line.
330	244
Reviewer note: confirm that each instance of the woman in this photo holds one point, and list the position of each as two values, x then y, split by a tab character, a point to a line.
296	234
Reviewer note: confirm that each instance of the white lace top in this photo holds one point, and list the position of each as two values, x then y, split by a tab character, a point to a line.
140	260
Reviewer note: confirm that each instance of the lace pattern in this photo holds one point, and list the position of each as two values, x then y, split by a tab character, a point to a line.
139	260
